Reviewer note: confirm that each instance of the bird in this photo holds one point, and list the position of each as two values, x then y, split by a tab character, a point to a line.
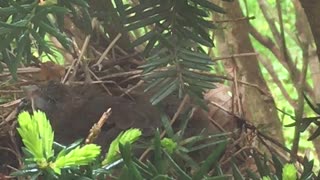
73	110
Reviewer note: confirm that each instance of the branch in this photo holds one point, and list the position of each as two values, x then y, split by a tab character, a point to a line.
276	80
291	68
299	111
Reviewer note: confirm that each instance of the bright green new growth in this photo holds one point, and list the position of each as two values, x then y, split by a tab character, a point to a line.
289	172
37	135
169	145
129	136
78	156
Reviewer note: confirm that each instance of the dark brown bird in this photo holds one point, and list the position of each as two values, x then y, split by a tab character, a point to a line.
73	110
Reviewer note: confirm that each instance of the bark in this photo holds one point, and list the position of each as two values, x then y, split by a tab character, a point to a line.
306	43
312	10
257	107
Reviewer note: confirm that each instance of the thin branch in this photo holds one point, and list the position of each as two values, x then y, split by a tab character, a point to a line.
235	56
289	65
234	20
271	20
76	62
299	110
276	80
104	54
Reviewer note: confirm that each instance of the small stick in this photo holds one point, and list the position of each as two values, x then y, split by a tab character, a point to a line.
104	54
96	128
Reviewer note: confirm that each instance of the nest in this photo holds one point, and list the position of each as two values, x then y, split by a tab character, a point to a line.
116	72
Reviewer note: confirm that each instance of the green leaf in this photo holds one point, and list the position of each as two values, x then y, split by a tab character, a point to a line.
277	165
37	136
315	109
128	136
166	41
260	165
166	124
197	96
196	11
202	77
142	168
195	59
191	65
211	160
170	72
147	21
252	175
5	11
195	37
82	3
194	54
19	24
27	172
158	159
180	172
142	6
222	177
307	169
165	91
206	24
289	172
125	150
210	5
202	146
150	45
314	134
147	36
43	46
76	157
199	83
154	84
266	178
169	145
69	148
146	14
236	172
63	39
157	63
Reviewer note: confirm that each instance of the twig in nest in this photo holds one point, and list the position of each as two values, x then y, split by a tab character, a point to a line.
104	54
11	103
96	128
121	74
24	70
132	88
104	87
76	62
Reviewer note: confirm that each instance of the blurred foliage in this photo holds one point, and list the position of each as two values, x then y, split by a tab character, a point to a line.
251	8
41	159
25	24
308	121
39	156
176	32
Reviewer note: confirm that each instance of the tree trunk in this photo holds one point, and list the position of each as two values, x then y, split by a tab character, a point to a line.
257	107
306	41
312	10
